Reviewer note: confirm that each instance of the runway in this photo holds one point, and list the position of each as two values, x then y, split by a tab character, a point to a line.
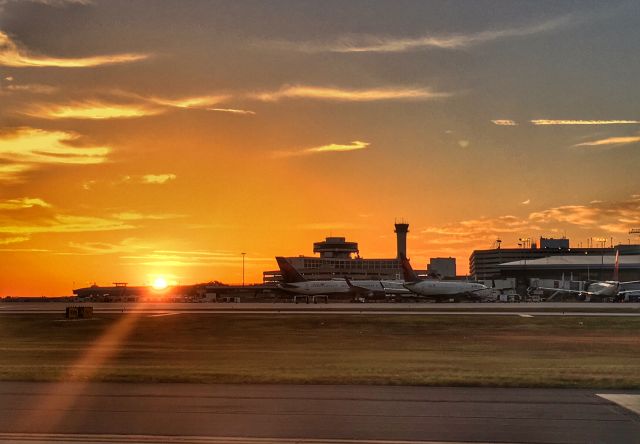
186	413
486	309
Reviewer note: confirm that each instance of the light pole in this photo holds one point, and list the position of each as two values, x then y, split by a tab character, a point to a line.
243	254
587	257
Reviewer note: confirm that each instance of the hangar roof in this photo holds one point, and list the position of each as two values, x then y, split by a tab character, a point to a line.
576	261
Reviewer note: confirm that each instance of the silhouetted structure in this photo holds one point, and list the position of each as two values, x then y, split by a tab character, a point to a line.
402	228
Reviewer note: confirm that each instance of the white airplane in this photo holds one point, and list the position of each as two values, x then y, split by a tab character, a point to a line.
442	290
385	288
600	290
295	283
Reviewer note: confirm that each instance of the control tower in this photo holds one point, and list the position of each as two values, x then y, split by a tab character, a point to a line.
335	247
402	228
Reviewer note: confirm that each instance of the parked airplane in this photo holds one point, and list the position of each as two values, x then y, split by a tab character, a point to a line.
294	282
442	290
381	288
601	290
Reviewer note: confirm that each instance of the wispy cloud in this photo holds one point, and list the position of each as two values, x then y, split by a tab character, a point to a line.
176	258
158	178
190	102
33	88
92	110
124	105
610	142
526	202
134	215
350	95
13	240
56	3
330	148
387	44
614	218
22	203
12	55
583	122
128	245
23	149
504	122
62	223
232	111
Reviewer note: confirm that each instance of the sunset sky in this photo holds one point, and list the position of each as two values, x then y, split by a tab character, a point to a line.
148	138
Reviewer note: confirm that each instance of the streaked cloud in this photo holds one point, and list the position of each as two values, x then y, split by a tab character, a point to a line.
189	102
56	3
13	240
22	203
177	258
387	44
158	178
614	216
128	245
93	110
62	223
232	111
12	55
134	215
350	95
25	148
123	105
33	88
504	122
610	142
330	148
583	122
526	202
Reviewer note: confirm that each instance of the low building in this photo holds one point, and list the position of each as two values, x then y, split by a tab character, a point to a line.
442	266
484	264
574	268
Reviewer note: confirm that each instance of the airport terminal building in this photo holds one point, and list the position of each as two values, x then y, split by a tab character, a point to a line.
339	258
485	264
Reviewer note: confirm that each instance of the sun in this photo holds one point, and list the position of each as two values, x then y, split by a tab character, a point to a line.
160	283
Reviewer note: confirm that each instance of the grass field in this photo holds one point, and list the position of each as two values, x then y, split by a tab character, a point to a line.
506	351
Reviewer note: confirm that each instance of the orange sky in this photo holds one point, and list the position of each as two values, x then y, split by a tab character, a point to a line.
166	138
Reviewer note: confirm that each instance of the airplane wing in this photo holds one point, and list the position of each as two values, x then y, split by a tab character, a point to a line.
564	290
625	292
477	289
363	290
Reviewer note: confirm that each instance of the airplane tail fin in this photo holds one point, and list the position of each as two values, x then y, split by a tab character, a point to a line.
407	270
289	273
616	266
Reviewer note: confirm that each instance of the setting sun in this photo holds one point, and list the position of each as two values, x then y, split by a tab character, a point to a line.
160	283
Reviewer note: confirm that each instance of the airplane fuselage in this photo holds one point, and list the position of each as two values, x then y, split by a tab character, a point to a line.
432	288
340	286
312	288
607	289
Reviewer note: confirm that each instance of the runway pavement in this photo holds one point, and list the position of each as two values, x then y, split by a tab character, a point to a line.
190	413
492	309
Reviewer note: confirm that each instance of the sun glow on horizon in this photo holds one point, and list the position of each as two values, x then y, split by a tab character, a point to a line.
160	283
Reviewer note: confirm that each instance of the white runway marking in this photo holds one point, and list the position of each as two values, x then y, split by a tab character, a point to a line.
37	438
630	402
164	314
525	315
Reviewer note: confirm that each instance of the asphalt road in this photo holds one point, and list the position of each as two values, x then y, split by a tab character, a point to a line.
280	412
517	309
